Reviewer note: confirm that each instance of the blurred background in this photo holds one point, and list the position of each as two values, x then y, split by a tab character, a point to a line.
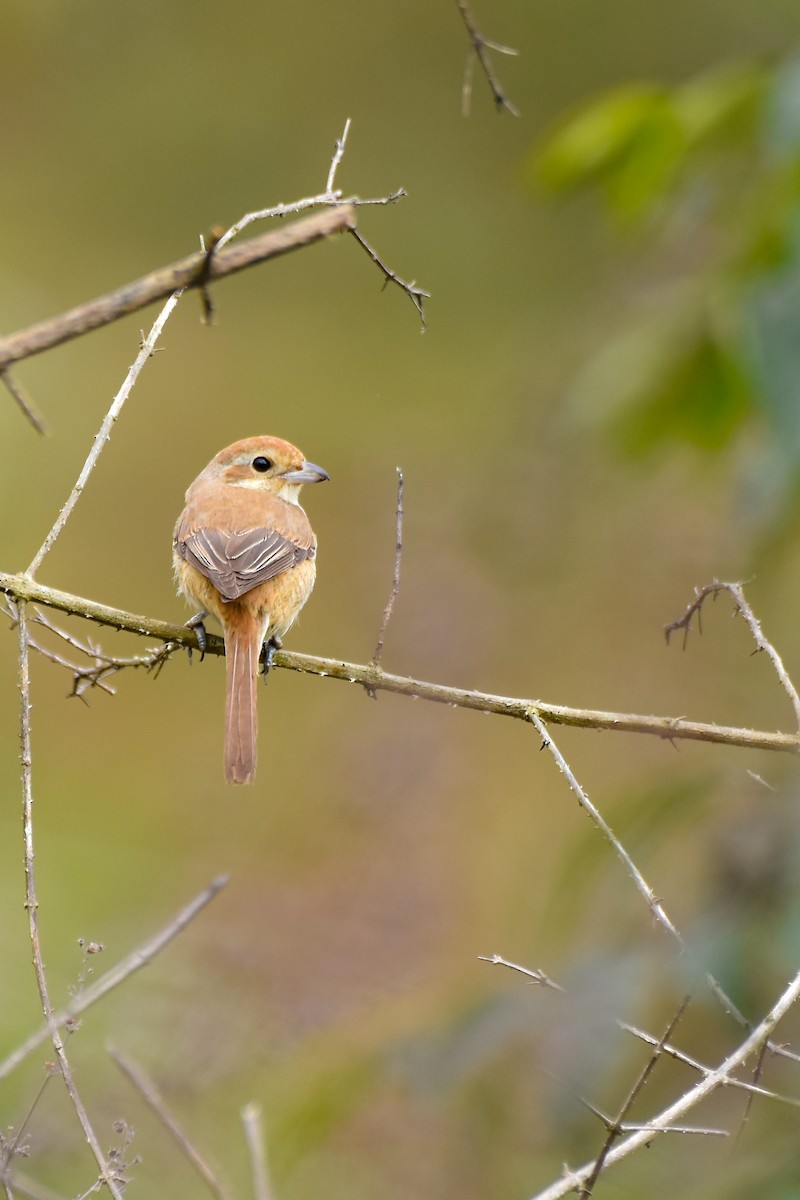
601	415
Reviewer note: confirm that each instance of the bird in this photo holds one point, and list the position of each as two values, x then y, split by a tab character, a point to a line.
245	552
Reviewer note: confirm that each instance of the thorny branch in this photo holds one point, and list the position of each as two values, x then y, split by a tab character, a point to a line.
704	1087
616	1128
710	1081
213	261
189	272
653	903
481	47
743	609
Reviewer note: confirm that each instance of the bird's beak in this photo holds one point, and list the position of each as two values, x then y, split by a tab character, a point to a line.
308	473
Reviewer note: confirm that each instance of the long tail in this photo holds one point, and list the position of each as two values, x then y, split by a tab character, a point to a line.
242	651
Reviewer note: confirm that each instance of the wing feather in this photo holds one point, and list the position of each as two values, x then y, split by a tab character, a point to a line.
237	562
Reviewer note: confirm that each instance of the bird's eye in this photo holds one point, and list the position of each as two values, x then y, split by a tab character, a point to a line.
261	463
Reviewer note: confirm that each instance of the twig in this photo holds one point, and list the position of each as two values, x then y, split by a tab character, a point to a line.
742	608
10	1146
653	903
666	1047
254	1136
155	1102
369	676
25	403
133	962
31	904
415	294
104	433
616	1129
398	554
32	1189
708	1084
481	47
536	975
188	272
688	1060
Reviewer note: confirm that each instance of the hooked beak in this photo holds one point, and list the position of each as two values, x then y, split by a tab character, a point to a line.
308	473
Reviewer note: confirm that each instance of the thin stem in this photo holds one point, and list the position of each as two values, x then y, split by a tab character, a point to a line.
133	962
653	903
481	46
254	1136
32	906
398	554
155	1102
104	433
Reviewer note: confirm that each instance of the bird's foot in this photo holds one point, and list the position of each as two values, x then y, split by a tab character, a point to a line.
270	646
196	623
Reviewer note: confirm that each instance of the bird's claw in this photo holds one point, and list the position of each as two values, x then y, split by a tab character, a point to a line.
270	646
196	623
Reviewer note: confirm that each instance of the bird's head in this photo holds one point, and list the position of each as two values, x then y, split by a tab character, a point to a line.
266	464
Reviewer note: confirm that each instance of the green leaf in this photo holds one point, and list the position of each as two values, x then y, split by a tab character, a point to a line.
671	380
595	137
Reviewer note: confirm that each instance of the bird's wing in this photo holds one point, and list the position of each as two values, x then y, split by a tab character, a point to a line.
236	562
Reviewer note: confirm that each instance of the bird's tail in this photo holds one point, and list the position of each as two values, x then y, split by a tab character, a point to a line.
242	651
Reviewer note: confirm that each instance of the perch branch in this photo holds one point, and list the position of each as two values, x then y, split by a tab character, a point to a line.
671	729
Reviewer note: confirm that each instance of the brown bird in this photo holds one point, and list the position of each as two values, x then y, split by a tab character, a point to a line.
244	550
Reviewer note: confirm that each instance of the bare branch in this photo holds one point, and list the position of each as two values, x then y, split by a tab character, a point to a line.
752	1089
189	272
653	903
415	294
133	962
398	554
32	905
616	1128
741	608
536	975
155	1102
104	433
25	403
666	1047
668	1117
370	676
481	46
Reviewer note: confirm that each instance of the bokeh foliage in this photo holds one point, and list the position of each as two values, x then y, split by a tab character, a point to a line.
706	175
